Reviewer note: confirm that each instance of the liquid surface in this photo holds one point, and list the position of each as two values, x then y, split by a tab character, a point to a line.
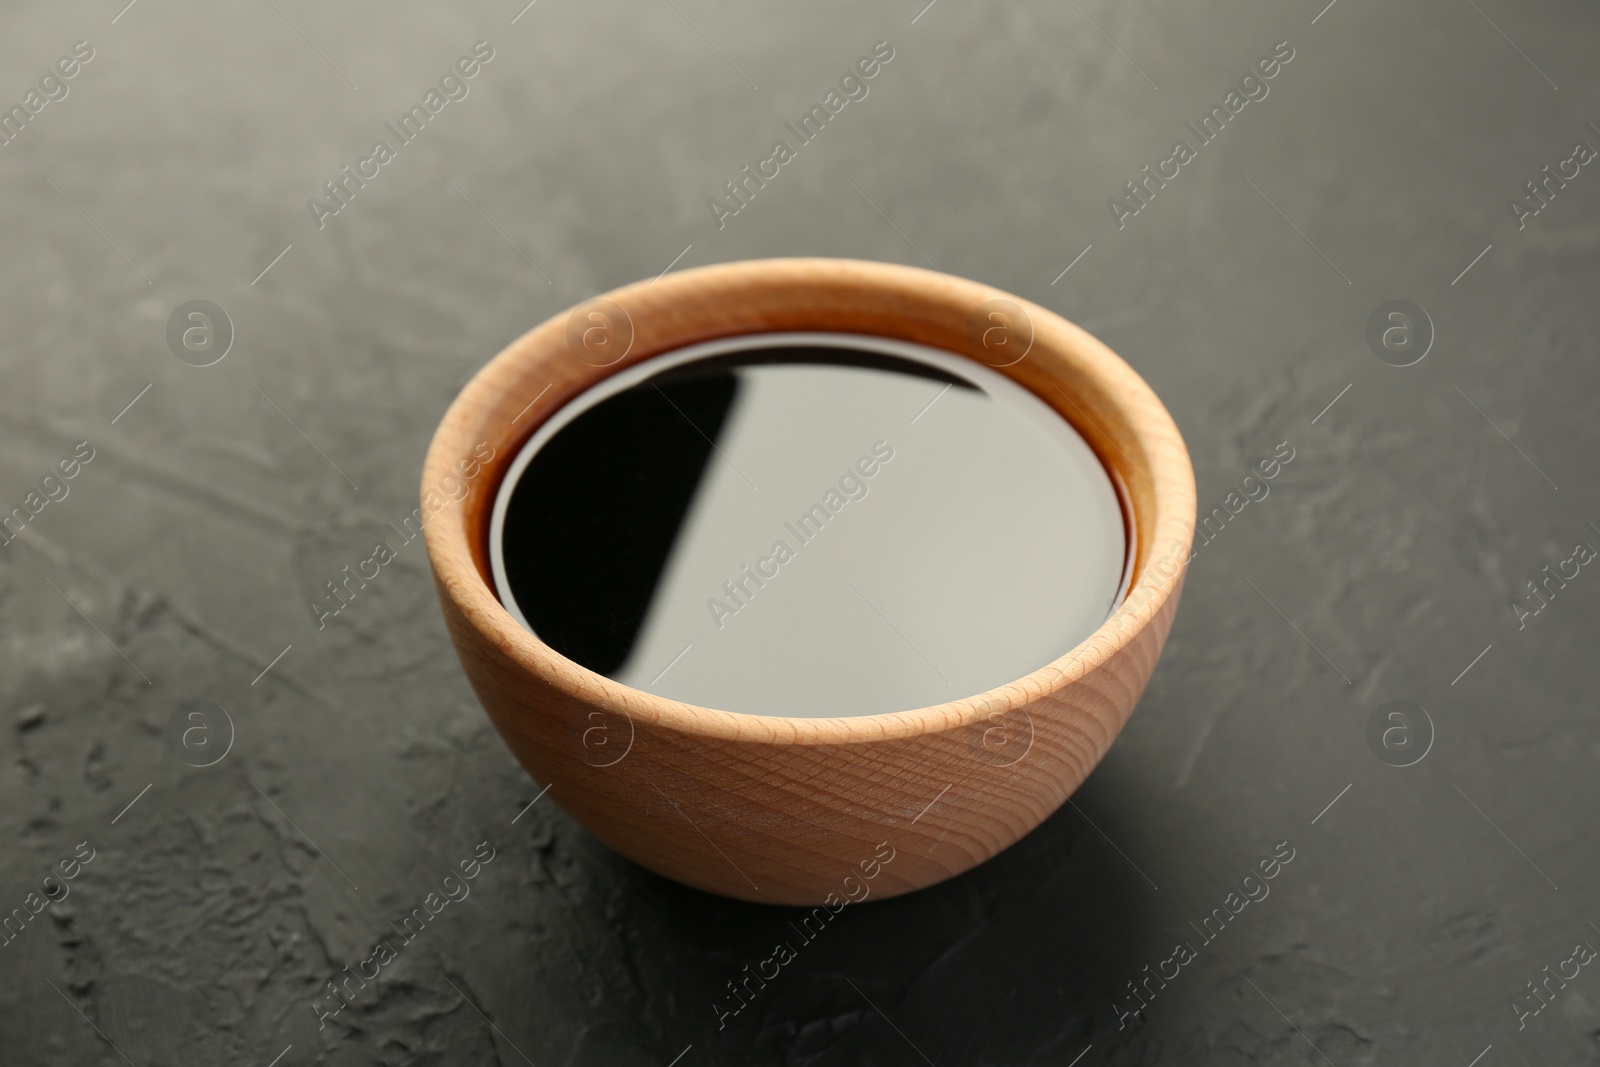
809	525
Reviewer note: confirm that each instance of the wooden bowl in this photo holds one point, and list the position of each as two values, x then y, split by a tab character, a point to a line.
806	810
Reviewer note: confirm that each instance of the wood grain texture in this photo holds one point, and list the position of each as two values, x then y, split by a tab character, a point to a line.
797	810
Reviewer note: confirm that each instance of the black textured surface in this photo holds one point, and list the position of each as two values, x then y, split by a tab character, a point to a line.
186	553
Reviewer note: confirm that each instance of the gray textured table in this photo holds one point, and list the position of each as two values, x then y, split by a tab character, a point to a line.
172	578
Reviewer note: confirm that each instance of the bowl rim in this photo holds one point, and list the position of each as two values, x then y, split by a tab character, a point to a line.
1165	520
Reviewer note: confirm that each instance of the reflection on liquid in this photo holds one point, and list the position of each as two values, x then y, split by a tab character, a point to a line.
809	525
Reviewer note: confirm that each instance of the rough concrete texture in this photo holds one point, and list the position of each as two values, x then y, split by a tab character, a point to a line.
178	166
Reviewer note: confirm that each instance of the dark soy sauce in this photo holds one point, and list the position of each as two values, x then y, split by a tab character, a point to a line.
809	525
